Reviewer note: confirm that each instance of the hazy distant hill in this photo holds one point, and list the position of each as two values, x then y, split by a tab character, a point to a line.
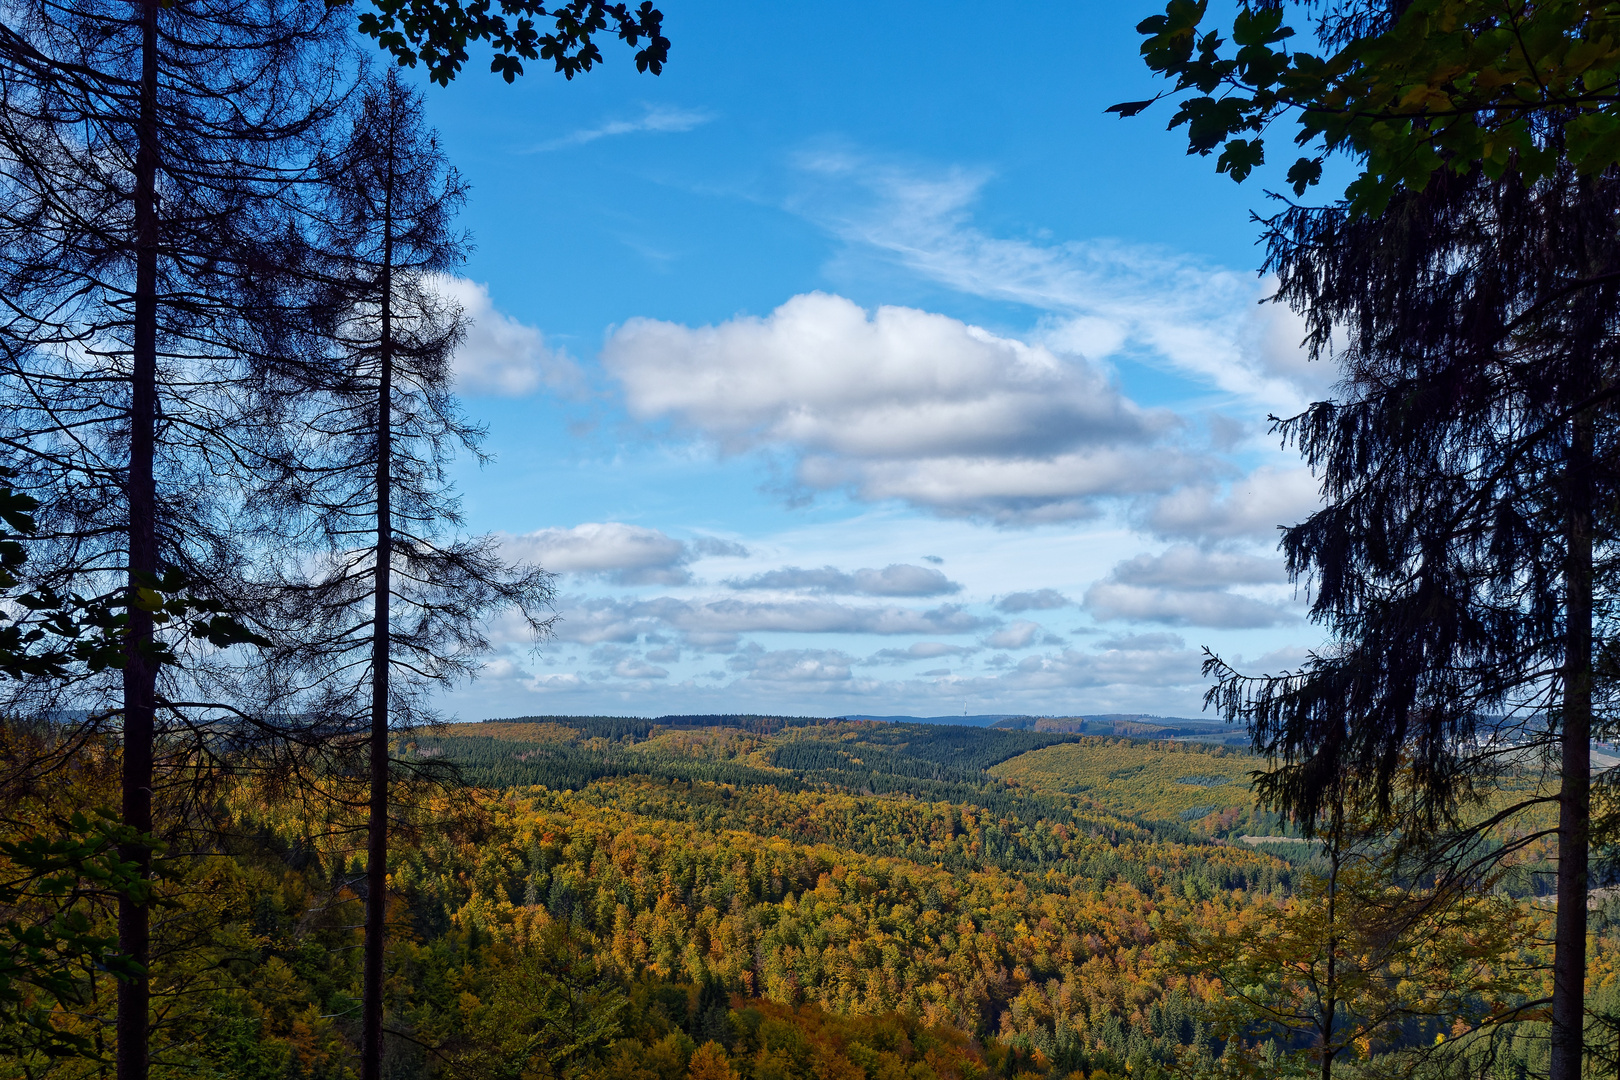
1001	720
1133	725
1033	767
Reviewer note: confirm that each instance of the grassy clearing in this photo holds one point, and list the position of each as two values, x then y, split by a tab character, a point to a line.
1157	781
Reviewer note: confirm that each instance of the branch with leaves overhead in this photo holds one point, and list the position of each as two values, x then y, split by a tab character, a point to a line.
436	33
1452	84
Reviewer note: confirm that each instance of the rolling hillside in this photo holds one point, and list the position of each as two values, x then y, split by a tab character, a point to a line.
1182	781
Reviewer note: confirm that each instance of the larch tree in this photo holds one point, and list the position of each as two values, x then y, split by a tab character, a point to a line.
147	150
397	605
1355	959
145	154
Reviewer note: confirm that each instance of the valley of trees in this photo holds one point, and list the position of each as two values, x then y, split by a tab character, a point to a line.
768	923
237	841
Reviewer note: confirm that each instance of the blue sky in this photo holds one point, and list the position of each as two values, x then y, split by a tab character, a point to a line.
868	366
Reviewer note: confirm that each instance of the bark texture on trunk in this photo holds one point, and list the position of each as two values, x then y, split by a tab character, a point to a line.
140	674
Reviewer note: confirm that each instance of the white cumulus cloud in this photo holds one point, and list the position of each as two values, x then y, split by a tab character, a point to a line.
1185	567
903	404
922	650
1254	506
1036	600
1153	663
716	624
1019	635
1100	297
632	668
1183	607
896	579
793	665
1188	586
501	356
621	553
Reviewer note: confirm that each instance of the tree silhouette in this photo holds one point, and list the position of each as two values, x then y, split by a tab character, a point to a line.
397	604
1464	558
147	152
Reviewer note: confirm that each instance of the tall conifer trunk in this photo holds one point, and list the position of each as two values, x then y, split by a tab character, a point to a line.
383	425
1330	1000
140	672
1575	800
377	836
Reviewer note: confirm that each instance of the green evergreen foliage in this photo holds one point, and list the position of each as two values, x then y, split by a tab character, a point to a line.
501	763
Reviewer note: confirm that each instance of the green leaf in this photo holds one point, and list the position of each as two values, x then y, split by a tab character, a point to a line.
1130	108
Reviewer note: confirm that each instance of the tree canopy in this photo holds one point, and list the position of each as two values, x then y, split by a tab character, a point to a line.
436	33
1404	90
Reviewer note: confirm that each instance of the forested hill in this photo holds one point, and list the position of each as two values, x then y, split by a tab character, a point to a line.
1133	725
763	898
1152	790
790	754
639	727
863	756
564	752
1033	885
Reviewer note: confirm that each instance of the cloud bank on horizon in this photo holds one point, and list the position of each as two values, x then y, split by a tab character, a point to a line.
1086	531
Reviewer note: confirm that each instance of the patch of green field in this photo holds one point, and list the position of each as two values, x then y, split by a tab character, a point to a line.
1156	781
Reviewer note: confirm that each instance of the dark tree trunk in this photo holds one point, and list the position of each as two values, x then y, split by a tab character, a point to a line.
1330	1003
377	837
1575	800
140	671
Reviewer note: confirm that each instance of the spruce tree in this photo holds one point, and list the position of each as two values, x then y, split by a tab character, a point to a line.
1463	563
1464	560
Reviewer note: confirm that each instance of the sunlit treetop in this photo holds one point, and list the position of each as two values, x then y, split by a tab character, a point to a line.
1458	84
436	33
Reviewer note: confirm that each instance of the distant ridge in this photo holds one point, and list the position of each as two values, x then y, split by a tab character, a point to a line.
639	727
1129	725
1133	725
1001	720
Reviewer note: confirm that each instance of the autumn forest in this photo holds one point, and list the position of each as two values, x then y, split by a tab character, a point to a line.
248	831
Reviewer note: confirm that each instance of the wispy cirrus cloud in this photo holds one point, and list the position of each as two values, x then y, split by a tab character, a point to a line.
1097	297
656	118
